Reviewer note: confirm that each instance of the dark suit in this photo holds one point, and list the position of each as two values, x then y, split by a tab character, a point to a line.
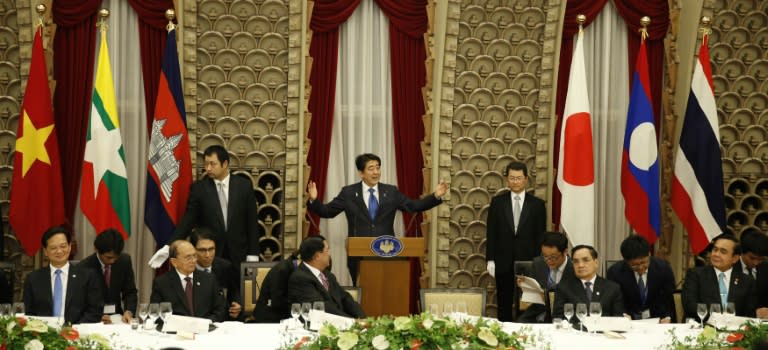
701	286
273	304
538	312
122	287
504	245
359	224
241	237
83	302
606	292
304	287
660	286
226	277
208	301
761	284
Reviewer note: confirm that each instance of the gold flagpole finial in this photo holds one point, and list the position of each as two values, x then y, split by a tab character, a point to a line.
103	14
170	14
644	22
706	26
580	19
40	9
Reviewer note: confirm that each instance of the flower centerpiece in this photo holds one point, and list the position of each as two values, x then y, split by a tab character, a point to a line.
745	337
19	333
419	332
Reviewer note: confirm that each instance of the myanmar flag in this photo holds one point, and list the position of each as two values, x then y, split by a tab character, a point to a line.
104	188
37	200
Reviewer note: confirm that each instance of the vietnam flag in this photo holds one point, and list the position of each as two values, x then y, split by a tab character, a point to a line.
104	186
37	200
640	158
169	163
576	176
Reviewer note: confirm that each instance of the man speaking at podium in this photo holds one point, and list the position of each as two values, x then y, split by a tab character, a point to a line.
370	206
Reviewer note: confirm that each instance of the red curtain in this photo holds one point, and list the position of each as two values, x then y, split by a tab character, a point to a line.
407	25
74	49
327	16
631	12
152	34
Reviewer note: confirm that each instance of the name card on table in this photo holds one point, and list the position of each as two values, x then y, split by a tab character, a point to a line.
318	318
177	323
605	323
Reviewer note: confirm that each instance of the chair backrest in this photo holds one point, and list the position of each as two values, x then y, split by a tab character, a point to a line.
473	297
524	268
7	281
252	275
355	292
678	296
609	263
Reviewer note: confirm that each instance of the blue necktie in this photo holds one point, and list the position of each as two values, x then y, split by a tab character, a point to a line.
723	290
551	281
58	290
643	290
588	290
373	204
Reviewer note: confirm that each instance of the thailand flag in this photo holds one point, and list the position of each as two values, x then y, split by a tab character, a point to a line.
576	176
697	187
169	164
640	158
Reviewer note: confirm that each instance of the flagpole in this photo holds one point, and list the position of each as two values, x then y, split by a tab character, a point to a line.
103	26
580	19
644	22
706	25
170	14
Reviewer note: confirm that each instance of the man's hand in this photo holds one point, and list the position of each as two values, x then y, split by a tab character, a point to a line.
159	258
105	319
127	316
441	189
312	190
665	320
762	313
491	267
234	310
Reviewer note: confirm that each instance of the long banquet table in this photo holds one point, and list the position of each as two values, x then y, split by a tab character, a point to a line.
235	335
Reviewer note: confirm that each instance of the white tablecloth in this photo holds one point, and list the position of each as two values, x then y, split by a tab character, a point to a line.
232	336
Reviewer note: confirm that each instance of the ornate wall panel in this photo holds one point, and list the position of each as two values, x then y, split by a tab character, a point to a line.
242	60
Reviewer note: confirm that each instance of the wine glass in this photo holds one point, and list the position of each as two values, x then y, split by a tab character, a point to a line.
461	308
166	310
447	310
568	311
143	312
730	309
434	310
305	307
595	311
715	319
581	314
295	312
5	310
701	310
154	313
18	309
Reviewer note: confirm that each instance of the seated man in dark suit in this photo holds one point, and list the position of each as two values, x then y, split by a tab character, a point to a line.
222	269
720	283
61	289
114	272
588	286
754	250
647	282
311	281
548	269
273	304
190	293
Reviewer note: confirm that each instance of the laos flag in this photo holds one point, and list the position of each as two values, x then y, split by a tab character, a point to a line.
640	158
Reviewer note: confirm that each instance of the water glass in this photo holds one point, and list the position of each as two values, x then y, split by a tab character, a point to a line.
295	312
18	309
434	310
447	309
154	313
305	307
595	311
701	311
461	308
581	314
5	310
166	310
557	322
568	311
730	309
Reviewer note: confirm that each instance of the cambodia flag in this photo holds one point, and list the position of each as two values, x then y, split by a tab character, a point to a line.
697	187
169	164
640	158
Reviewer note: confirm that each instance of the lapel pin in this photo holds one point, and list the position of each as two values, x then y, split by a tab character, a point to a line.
73	276
598	293
198	283
736	282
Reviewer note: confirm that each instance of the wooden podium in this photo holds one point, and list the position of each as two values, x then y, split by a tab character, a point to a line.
385	281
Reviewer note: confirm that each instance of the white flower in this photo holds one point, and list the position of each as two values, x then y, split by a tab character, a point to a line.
36	326
487	336
347	340
10	327
427	323
462	344
34	344
402	323
380	342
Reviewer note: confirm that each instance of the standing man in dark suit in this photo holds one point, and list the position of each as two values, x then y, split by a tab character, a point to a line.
754	250
191	293
370	206
549	269
273	304
720	283
114	271
62	289
311	281
224	203
647	282
226	276
588	287
516	224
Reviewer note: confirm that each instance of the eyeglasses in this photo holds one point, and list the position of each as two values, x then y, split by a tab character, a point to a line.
210	250
639	265
189	257
516	178
551	257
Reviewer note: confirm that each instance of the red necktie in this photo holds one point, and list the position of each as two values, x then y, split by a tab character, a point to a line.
324	280
107	274
188	292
